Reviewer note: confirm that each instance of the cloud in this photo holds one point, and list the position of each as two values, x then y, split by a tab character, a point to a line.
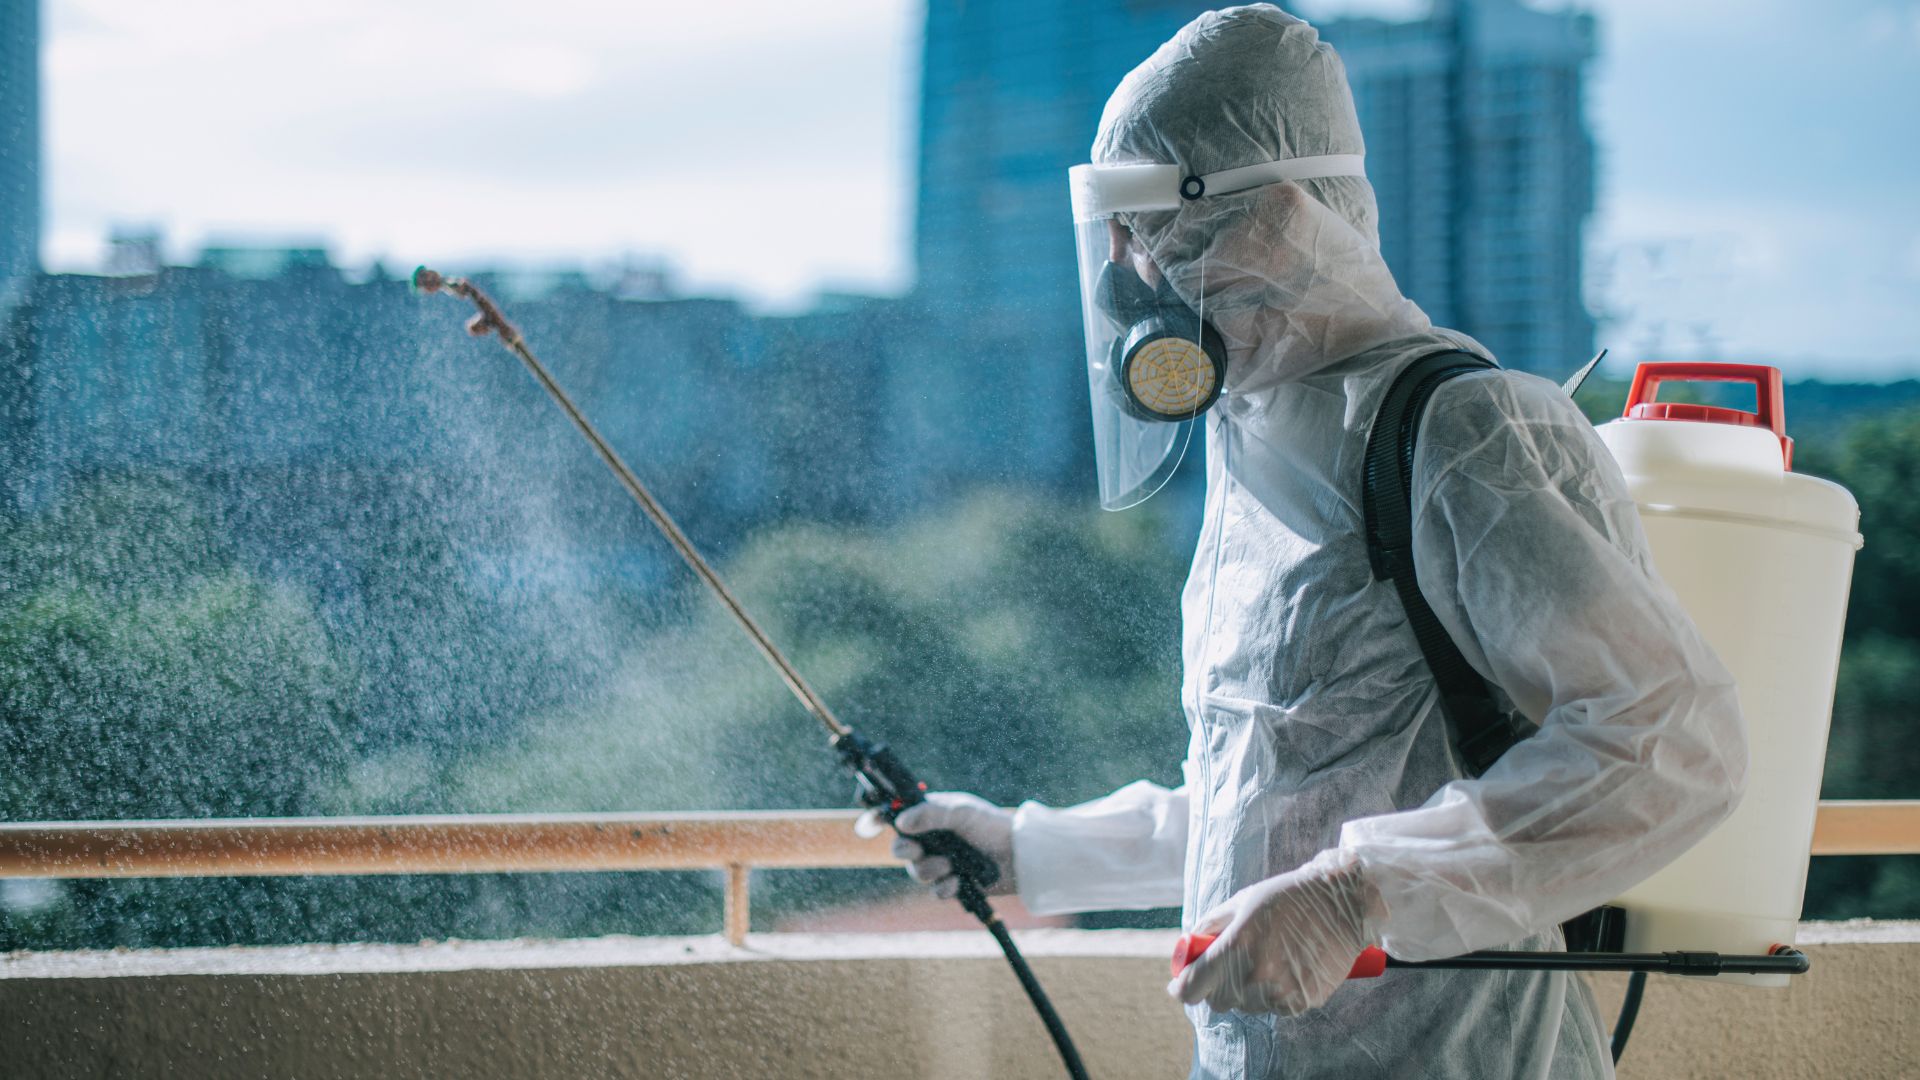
767	146
1757	276
1896	25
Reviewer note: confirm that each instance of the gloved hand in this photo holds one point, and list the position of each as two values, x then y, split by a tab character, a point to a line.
979	822
1286	943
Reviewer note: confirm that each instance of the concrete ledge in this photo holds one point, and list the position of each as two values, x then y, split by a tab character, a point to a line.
795	1005
1856	1014
612	951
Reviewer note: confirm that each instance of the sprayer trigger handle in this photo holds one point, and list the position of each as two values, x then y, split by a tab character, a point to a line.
1370	964
968	861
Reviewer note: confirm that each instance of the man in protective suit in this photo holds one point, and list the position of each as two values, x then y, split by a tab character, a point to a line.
1232	278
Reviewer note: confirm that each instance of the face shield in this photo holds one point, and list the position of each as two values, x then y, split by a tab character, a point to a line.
1153	364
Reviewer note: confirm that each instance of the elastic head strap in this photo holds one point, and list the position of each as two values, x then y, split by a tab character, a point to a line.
1103	190
1229	181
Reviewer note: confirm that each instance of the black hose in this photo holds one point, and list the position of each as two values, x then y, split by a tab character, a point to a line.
1061	1040
975	901
1629	1011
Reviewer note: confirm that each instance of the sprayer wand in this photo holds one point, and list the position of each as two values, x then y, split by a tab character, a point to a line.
885	783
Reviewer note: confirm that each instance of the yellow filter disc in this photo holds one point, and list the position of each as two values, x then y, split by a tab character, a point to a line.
1171	376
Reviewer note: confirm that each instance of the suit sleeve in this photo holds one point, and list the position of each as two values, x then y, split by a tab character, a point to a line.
1124	851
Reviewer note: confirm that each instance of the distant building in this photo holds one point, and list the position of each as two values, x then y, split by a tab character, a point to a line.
266	363
1011	92
260	262
1479	152
19	146
1477	146
134	251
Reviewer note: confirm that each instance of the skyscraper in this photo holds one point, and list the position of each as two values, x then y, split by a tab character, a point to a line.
1011	92
1479	152
19	145
1477	145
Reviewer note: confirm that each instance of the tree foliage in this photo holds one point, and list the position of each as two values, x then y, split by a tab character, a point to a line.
1001	645
143	674
1874	743
154	663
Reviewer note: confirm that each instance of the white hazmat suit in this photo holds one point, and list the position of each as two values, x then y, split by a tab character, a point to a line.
1318	750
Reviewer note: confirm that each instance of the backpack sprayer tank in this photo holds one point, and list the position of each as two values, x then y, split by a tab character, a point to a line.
1762	558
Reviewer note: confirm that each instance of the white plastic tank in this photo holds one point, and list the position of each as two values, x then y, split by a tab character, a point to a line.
1762	558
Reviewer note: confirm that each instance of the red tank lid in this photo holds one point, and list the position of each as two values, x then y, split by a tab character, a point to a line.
1769	398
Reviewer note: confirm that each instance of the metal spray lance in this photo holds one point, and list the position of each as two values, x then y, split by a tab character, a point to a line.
885	783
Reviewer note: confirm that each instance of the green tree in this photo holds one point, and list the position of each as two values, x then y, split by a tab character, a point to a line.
143	674
1001	645
1874	742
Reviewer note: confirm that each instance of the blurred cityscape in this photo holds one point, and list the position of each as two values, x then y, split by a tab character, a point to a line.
267	356
280	540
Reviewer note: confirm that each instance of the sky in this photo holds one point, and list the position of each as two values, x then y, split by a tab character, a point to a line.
1758	158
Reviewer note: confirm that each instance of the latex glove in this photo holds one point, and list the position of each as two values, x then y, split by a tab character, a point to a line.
1286	943
979	822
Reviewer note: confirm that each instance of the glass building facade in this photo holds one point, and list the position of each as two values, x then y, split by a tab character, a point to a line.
19	145
1010	95
1479	152
1477	146
1011	91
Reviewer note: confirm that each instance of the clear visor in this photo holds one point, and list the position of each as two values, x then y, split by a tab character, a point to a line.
1147	352
1146	370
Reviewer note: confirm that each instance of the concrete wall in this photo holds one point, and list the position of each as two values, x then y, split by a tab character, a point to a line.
792	1005
1856	1014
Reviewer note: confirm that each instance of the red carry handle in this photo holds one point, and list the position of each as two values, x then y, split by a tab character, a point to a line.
1370	964
1769	397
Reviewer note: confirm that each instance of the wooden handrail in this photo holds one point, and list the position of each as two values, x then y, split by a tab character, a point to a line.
540	843
735	842
1867	827
465	844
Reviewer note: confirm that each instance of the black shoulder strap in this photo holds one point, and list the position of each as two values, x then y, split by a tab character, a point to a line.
1481	730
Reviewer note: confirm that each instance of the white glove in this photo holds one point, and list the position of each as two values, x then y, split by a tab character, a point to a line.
979	822
1286	943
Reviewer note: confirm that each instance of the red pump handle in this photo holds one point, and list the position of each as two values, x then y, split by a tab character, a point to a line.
1769	397
1370	964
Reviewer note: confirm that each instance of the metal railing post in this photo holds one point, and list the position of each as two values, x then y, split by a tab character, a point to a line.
737	912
